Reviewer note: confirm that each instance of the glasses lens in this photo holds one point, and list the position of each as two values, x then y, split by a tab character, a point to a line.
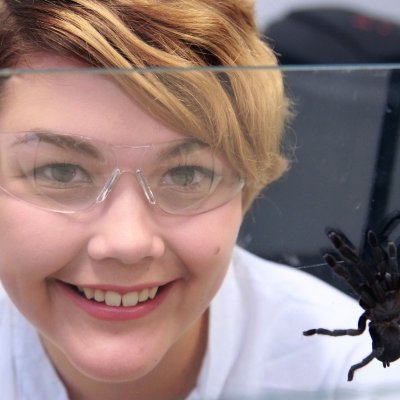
187	177
66	173
58	172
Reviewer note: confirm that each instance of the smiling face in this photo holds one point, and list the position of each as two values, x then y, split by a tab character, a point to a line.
117	250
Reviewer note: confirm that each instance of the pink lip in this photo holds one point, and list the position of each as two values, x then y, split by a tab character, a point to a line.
104	312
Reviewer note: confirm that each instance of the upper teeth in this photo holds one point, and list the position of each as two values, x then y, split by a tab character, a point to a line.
115	299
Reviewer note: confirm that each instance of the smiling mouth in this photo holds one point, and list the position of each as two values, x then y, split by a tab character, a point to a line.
115	299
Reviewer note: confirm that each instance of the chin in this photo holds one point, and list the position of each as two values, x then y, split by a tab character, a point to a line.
105	361
115	371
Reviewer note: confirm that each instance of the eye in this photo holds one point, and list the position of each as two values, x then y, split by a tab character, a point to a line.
61	173
188	178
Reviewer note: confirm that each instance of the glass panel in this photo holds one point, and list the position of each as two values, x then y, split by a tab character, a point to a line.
344	138
342	144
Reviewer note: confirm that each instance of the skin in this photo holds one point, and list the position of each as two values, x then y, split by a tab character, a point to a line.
123	241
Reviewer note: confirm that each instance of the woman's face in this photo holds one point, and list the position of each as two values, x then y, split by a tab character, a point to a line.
122	245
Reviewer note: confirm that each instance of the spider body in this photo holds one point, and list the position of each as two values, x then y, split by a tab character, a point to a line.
376	283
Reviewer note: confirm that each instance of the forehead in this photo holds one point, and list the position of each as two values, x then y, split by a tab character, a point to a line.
45	60
93	105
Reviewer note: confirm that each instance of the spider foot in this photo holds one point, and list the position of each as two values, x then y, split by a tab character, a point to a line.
374	354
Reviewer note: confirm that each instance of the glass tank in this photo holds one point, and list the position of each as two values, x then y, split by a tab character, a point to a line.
341	142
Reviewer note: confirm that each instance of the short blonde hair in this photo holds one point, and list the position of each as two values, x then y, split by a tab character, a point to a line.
239	111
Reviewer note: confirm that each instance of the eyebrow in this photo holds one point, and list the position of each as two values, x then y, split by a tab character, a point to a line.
185	147
62	141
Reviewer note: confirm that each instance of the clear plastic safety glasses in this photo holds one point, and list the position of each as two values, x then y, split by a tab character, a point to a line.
68	173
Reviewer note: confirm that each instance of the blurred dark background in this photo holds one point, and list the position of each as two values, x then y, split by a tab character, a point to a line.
268	11
343	140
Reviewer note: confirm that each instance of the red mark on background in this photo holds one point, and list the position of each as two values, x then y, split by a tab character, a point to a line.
365	23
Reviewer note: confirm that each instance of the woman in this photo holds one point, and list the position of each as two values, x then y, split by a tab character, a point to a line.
122	196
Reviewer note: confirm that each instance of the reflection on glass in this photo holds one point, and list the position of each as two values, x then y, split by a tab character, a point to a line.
344	136
95	168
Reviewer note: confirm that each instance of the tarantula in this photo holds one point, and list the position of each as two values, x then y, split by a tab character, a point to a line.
376	283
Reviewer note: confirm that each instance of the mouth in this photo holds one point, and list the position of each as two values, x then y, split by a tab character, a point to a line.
116	303
115	299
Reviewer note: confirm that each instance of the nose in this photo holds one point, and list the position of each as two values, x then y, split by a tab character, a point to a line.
125	228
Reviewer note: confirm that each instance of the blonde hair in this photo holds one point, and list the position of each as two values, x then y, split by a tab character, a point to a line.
240	112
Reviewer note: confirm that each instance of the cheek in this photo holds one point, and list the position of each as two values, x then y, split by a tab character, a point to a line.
33	244
205	242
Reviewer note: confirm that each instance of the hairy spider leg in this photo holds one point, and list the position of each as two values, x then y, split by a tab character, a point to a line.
394	264
341	271
374	354
369	290
387	264
383	277
354	285
362	323
377	253
351	255
387	227
389	281
392	254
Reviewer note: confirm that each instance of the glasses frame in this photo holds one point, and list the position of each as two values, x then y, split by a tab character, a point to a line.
116	172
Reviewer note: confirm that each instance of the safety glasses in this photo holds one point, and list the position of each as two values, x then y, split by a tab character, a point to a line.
69	173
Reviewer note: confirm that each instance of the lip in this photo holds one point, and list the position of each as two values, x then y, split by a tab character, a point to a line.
104	312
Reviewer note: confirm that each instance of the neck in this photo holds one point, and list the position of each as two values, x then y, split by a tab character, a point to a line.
174	377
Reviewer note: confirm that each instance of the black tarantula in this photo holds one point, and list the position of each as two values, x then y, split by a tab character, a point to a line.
376	283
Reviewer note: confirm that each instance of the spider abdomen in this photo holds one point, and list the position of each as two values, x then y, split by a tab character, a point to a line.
386	336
